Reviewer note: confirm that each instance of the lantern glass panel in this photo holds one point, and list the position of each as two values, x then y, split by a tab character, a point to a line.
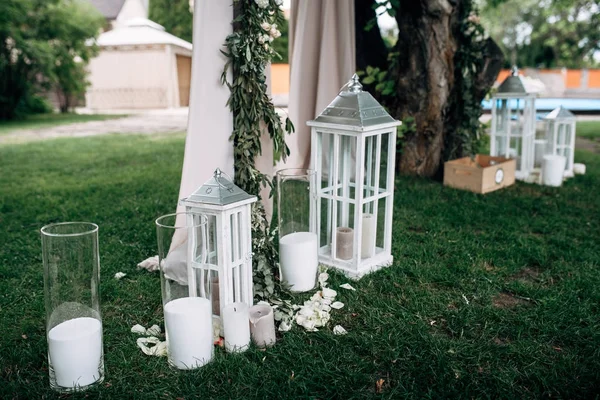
383	167
372	158
346	181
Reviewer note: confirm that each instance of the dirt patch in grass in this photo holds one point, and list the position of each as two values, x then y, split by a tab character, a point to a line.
587	144
501	341
507	300
527	274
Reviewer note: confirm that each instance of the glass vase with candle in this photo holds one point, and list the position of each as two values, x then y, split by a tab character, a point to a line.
72	297
296	211
186	287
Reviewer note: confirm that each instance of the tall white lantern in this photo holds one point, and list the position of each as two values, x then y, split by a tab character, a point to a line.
560	136
513	124
353	150
228	259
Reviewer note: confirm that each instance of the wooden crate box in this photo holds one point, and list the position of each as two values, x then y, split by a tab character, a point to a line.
483	174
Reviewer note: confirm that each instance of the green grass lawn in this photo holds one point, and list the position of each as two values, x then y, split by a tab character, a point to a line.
588	129
494	296
50	120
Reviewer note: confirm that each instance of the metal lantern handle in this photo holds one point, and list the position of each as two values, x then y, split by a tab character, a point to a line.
218	174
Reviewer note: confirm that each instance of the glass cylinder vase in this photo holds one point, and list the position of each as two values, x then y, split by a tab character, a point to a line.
72	297
186	286
296	211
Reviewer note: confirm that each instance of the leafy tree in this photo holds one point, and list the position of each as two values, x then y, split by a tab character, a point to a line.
74	23
548	33
435	75
175	15
37	39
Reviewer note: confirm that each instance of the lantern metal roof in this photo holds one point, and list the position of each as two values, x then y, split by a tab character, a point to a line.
513	84
354	109
560	113
219	191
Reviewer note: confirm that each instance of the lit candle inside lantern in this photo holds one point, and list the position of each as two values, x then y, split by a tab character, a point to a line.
236	327
344	243
75	350
262	325
298	257
188	322
369	226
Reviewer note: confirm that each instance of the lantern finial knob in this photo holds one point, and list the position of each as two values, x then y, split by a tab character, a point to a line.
514	71
354	85
218	173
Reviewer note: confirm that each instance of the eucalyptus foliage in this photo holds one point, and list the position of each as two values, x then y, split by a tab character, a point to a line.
249	51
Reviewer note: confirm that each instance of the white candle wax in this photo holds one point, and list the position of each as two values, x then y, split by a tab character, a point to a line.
188	322
262	325
369	226
75	352
344	243
236	327
299	260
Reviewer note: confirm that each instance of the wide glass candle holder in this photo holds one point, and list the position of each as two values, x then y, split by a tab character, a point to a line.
72	297
296	213
186	288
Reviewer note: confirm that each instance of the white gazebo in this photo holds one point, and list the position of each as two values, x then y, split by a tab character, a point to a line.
140	66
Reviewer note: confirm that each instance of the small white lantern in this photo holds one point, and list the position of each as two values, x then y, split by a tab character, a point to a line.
353	150
560	136
513	124
229	254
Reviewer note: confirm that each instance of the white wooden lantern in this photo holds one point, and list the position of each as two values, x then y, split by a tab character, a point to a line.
560	136
353	150
228	259
513	124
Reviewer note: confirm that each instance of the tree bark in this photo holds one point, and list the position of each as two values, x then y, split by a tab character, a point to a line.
425	79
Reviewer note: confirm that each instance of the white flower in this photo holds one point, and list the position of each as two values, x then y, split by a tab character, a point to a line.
262	3
266	26
279	2
275	33
337	305
154	330
339	330
139	329
347	286
270	39
261	39
120	275
266	46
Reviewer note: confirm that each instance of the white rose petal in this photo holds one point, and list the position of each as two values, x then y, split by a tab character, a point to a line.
337	305
266	26
323	277
339	330
347	286
262	3
328	293
160	350
261	39
284	326
154	330
120	275
144	342
139	329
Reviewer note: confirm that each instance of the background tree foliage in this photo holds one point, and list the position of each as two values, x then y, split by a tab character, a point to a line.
545	34
43	46
175	15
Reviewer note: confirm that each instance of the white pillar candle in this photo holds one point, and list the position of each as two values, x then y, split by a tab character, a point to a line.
344	243
188	322
298	257
236	327
75	352
369	229
262	325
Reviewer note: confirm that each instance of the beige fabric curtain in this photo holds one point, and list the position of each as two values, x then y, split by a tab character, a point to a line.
322	60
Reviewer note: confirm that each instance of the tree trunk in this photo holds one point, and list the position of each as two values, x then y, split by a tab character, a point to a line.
425	80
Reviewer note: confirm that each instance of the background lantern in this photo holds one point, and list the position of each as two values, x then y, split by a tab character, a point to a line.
513	124
228	261
353	150
560	136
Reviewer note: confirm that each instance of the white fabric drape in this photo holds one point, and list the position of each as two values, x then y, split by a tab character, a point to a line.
322	59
